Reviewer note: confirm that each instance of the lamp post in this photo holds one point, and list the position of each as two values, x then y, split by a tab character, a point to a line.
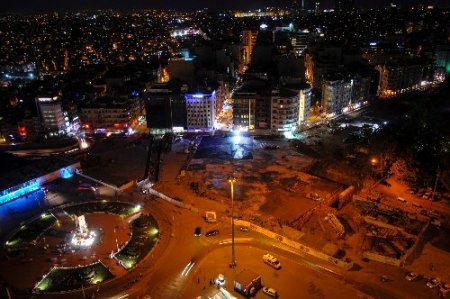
232	180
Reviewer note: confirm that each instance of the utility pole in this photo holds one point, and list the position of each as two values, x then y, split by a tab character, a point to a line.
232	180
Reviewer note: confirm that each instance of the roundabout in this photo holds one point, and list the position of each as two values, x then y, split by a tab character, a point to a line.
76	247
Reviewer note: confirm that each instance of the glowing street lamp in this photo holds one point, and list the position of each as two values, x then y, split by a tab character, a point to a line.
374	161
232	180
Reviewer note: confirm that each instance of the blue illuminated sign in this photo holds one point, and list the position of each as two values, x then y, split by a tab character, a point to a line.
27	187
197	96
66	173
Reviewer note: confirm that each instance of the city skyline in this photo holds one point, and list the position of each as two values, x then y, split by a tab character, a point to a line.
261	152
29	6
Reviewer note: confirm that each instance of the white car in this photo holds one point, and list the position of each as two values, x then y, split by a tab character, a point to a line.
271	261
412	276
434	283
270	292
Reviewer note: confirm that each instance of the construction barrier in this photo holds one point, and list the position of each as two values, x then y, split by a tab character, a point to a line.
302	248
173	201
382	259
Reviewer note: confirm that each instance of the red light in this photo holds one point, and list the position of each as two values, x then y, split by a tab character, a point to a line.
22	131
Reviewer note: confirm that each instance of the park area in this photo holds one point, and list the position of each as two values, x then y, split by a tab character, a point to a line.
77	246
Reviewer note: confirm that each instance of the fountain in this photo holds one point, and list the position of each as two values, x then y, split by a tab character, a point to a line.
82	236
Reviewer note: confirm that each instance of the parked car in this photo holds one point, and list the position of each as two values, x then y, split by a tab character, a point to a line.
270	292
211	233
243	228
198	231
385	278
427	195
434	283
401	199
445	289
412	276
420	192
412	190
271	261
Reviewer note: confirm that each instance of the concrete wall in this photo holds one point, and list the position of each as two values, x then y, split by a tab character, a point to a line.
382	259
173	201
303	249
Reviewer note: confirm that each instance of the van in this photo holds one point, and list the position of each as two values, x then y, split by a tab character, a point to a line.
401	199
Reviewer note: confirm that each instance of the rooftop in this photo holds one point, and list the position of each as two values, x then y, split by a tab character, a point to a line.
15	170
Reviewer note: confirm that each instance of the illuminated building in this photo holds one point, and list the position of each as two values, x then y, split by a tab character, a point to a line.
336	94
51	115
33	128
402	76
299	41
251	105
266	12
111	115
380	52
303	92
201	110
20	177
284	110
442	57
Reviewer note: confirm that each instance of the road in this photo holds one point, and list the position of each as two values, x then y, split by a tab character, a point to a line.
181	265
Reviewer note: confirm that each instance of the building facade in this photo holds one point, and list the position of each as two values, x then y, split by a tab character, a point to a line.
284	110
336	95
51	114
105	115
165	106
201	110
402	76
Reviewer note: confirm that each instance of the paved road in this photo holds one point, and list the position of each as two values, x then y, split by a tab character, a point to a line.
176	262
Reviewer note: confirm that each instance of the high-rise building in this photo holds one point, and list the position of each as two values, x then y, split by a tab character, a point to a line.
397	77
51	114
201	110
166	107
113	115
336	94
284	110
299	41
303	91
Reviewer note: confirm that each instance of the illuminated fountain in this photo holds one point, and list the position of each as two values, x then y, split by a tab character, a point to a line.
82	236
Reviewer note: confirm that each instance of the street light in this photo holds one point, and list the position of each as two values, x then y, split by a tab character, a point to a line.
374	161
232	180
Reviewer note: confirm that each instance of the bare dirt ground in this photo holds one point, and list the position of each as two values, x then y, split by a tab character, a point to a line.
272	189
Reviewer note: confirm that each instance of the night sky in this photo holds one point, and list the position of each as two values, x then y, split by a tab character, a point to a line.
51	5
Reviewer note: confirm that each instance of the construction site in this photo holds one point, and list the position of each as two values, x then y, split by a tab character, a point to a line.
276	190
